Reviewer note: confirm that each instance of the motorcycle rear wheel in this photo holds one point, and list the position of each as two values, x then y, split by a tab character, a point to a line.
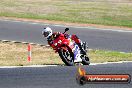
85	61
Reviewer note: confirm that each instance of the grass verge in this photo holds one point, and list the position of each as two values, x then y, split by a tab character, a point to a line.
15	54
104	12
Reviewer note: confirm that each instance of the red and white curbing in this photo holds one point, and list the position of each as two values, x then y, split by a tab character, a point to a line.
25	43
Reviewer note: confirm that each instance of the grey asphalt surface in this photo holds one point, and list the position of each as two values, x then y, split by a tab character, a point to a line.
97	39
59	76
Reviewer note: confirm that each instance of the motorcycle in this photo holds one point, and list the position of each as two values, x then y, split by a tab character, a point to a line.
69	51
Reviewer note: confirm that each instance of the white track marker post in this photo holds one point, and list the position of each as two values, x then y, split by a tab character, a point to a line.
29	52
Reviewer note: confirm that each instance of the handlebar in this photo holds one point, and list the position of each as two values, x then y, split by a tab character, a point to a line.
67	29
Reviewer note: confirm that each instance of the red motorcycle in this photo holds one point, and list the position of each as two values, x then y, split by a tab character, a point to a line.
69	51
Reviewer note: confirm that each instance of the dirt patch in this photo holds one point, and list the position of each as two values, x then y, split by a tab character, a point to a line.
67	24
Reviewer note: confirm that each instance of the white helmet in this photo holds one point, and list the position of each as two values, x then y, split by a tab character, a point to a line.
47	32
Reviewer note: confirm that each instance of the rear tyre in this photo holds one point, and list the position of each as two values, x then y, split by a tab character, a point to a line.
67	56
85	60
85	46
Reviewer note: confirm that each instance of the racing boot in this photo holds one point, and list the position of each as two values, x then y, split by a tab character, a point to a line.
81	48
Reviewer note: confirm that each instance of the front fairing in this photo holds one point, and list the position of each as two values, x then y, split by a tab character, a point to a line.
59	42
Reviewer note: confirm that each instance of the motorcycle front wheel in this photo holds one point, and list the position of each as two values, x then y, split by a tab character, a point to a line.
67	56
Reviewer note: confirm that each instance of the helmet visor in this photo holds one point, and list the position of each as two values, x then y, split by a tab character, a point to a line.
46	34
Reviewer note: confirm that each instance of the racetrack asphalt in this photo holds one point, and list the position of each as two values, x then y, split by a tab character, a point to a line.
59	76
112	39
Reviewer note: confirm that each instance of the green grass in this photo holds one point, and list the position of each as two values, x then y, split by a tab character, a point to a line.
112	12
109	56
15	54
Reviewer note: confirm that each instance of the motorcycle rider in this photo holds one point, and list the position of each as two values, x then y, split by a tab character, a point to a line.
47	33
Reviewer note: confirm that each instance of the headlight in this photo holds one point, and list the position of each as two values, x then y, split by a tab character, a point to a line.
55	44
59	41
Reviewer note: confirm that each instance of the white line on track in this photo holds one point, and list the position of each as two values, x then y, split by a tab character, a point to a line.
58	65
89	27
110	62
27	66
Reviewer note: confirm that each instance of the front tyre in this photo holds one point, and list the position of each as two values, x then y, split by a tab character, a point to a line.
66	56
